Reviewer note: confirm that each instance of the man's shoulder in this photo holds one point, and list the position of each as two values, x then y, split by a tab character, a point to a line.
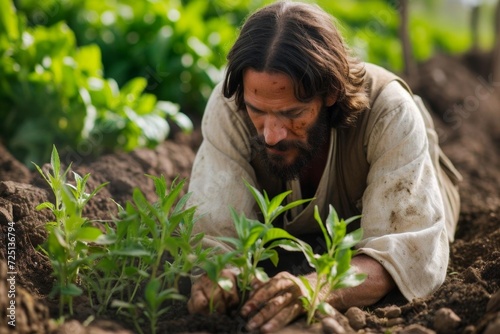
217	97
222	113
378	78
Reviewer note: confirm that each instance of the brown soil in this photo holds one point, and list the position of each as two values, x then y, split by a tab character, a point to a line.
466	109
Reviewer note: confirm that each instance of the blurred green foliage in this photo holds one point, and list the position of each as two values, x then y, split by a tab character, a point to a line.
180	46
178	50
53	92
371	29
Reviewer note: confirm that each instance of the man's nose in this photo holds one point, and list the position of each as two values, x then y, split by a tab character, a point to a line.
274	131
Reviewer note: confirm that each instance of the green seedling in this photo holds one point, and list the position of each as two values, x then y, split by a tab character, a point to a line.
214	266
67	244
257	241
153	247
333	268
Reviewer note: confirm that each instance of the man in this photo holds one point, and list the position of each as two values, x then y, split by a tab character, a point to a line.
297	112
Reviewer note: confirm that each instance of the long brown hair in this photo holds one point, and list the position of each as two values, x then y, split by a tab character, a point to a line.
301	41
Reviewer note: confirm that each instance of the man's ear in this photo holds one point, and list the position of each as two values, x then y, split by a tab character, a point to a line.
331	99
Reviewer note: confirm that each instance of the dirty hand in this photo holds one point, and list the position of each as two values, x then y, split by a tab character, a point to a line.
274	304
203	288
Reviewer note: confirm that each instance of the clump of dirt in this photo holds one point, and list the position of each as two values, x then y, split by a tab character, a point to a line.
465	104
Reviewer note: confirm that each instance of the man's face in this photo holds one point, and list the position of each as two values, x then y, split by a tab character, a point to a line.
289	132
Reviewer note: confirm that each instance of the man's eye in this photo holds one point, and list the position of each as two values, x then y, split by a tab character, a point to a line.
253	111
294	114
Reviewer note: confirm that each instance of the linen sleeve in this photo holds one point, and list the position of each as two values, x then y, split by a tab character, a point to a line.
220	166
403	215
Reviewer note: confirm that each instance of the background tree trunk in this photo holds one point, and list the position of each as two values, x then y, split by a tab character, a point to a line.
474	27
409	64
496	48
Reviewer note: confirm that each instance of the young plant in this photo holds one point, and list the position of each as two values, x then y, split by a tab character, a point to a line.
333	268
67	245
213	266
153	248
256	241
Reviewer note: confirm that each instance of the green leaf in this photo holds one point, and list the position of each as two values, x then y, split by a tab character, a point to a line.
183	122
106	264
353	218
326	309
140	200
160	185
332	223
154	128
172	196
135	252
306	304
225	283
239	261
261	275
272	255
46	205
326	236
276	233
170	293
88	58
295	203
57	240
333	272
40	171
351	239
289	245
96	190
8	20
308	253
258	197
350	280
233	241
122	304
132	271
343	259
71	290
89	234
255	233
275	203
182	203
55	162
151	293
323	264
168	108
133	88
73	223
308	286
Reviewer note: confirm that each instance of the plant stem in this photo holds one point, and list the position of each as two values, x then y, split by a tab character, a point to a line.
314	301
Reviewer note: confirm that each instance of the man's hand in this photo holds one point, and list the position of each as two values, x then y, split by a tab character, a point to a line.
274	304
203	289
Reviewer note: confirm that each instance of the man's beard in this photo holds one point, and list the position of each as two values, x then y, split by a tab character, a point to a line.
317	135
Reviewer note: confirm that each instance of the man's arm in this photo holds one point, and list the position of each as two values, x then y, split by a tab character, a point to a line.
378	283
403	218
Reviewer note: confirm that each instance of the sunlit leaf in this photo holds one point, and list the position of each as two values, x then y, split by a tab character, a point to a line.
225	283
89	234
326	309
